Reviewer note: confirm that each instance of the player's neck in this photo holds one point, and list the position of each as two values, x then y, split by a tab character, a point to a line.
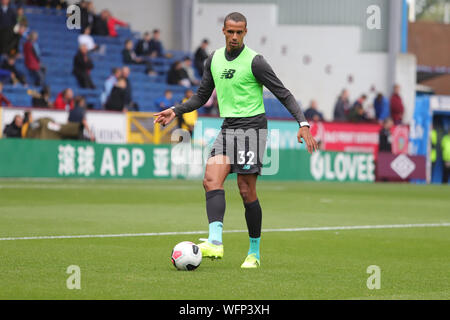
231	54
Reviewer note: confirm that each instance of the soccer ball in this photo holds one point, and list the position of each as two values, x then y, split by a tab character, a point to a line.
186	256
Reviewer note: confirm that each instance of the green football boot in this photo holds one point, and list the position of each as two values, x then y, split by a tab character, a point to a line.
210	250
251	262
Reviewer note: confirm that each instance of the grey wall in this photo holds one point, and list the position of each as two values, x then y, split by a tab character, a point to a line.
331	12
144	15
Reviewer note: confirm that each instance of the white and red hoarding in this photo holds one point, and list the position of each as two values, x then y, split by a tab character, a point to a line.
352	137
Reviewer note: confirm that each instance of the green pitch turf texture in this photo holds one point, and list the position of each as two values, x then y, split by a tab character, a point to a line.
414	262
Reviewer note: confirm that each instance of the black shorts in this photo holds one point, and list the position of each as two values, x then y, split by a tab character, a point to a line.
244	141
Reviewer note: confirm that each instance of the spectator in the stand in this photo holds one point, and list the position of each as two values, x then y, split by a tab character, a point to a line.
42	99
177	75
190	118
27	119
129	103
200	57
130	57
8	20
360	101
16	76
21	17
14	129
357	113
397	108
342	107
82	66
78	115
87	15
20	31
381	106
64	100
156	48
142	47
86	39
187	65
111	23
3	100
165	101
312	113
100	26
117	97
31	52
385	139
116	73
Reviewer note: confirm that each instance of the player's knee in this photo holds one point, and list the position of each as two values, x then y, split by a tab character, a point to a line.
245	192
244	195
209	183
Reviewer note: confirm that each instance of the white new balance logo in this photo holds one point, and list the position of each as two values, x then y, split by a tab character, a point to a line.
403	166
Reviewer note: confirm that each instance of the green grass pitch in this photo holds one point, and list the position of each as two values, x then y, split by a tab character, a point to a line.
310	264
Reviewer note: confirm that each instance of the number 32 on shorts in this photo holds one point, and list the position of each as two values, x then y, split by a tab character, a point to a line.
250	155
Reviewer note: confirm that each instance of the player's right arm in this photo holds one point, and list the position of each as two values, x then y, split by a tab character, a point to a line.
196	101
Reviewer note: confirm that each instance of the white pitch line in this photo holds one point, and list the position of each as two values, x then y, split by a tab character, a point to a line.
122	235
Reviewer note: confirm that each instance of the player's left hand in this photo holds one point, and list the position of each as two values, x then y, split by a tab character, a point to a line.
311	143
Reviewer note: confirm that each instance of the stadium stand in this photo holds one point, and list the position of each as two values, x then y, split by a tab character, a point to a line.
58	45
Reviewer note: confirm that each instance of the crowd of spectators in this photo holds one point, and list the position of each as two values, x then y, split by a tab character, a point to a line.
182	73
102	24
129	57
376	112
117	93
150	46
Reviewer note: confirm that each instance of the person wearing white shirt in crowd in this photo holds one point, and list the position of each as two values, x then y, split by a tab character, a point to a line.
86	39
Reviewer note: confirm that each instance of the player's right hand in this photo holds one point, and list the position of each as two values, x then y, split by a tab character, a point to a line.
311	143
164	117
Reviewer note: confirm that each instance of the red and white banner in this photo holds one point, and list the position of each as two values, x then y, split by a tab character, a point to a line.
352	137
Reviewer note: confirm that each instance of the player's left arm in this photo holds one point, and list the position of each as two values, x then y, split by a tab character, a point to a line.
264	73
